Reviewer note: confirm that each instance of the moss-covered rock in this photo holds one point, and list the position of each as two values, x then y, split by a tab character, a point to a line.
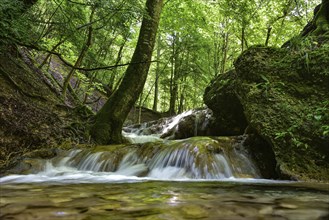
226	106
196	157
282	93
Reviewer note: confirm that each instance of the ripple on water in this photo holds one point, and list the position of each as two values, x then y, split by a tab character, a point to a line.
165	200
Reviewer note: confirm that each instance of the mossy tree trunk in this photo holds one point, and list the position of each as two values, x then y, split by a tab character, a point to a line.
320	22
109	120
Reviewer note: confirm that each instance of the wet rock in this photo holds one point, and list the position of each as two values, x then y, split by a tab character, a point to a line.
197	122
220	96
193	158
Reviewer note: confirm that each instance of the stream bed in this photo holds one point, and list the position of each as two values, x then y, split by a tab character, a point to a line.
140	198
155	179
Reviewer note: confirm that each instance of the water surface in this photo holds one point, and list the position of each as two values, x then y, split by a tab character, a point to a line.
150	199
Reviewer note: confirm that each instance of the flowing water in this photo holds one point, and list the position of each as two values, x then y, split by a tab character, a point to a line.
195	178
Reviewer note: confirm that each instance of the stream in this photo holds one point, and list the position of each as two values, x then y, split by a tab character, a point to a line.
193	178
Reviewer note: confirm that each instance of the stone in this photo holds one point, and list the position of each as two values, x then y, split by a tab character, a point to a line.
283	99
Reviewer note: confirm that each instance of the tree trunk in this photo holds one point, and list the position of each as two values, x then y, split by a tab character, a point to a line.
109	120
242	38
320	22
174	76
216	56
157	75
81	56
321	19
173	94
182	97
111	84
268	35
225	49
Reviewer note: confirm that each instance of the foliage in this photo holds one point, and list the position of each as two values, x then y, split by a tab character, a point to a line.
198	39
12	25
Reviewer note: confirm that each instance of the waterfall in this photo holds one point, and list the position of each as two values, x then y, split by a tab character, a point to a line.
152	157
193	158
187	124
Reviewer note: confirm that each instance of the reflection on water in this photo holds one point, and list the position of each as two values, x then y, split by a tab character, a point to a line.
147	199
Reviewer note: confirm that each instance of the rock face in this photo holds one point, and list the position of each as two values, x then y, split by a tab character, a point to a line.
221	97
282	95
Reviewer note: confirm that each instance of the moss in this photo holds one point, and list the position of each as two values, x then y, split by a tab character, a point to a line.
33	117
284	98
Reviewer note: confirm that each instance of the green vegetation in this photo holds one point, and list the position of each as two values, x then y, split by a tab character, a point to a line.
90	54
196	41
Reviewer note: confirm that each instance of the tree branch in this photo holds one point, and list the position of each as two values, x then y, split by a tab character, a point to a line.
67	63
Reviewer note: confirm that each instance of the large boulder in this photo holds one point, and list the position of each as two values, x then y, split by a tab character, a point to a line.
222	99
282	94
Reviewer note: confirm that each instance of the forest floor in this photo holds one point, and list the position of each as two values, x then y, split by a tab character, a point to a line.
33	114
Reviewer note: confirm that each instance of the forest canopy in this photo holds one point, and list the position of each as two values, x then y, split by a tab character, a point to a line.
196	40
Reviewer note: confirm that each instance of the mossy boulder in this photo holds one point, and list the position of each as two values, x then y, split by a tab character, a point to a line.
283	95
222	99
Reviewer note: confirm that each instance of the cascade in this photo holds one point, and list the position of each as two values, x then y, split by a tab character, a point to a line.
149	157
201	158
187	124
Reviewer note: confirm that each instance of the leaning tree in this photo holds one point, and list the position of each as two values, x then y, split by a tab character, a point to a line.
109	120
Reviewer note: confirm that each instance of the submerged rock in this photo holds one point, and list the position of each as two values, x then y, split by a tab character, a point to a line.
282	95
193	158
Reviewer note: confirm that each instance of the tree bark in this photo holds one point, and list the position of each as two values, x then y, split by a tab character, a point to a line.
320	22
268	35
243	33
217	51
175	68
81	55
157	75
114	74
109	120
225	50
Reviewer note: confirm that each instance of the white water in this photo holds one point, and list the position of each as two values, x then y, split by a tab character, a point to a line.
137	135
134	138
179	161
175	162
174	121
